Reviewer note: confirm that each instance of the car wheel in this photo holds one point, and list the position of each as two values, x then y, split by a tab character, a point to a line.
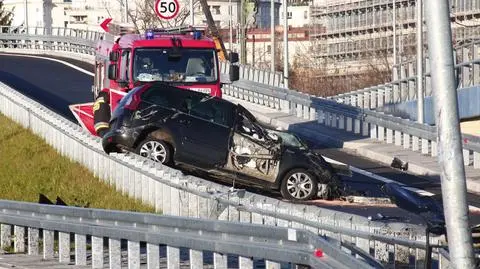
300	185
156	150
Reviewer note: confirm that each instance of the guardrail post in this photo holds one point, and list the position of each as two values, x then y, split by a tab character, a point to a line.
196	259
425	146
48	244
173	258
476	66
466	157
360	100
5	236
389	136
373	131
153	256
133	249
114	253
333	120
285	106
476	160
381	133
406	141
97	252
341	122
19	242
64	247
32	241
80	249
398	138
415	143
466	68
434	152
365	128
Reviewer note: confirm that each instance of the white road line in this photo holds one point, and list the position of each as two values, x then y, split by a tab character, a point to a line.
354	169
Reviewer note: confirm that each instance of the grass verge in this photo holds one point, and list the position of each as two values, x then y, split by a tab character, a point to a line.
28	166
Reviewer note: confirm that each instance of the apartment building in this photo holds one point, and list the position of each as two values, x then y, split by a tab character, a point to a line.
351	35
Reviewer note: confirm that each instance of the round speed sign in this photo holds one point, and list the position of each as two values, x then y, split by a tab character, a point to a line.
167	9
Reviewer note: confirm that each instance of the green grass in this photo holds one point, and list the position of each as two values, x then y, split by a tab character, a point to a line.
28	166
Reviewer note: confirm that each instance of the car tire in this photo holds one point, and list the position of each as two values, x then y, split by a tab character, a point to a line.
156	150
299	185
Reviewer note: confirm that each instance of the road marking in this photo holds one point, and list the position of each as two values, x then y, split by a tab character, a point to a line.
354	169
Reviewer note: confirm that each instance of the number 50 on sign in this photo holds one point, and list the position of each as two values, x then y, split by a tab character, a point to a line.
167	9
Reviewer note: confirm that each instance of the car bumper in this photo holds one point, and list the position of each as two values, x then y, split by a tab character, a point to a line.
118	140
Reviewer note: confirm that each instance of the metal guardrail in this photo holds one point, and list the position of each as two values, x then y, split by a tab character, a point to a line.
356	119
403	86
268	211
176	194
246	241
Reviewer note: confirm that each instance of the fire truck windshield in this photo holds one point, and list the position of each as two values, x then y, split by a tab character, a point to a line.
196	66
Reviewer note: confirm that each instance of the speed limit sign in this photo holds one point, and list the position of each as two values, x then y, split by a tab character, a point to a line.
167	9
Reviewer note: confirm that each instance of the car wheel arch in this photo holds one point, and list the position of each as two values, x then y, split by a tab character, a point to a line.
157	133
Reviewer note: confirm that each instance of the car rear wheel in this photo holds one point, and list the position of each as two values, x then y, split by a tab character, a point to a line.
300	185
156	150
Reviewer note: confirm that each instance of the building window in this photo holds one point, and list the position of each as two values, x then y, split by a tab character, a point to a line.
269	48
289	14
305	14
215	10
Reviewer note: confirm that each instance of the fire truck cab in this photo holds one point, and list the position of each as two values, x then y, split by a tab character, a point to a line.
183	57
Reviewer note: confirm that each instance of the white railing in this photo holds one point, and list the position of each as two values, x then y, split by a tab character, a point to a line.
89	228
175	194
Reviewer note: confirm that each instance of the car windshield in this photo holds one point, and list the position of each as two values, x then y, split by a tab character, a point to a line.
289	139
194	66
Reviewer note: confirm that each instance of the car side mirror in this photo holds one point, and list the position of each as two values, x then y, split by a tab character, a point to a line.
233	57
234	73
112	72
113	56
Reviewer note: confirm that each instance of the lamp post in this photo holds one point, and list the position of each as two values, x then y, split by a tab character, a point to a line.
272	34
192	19
26	17
419	37
285	44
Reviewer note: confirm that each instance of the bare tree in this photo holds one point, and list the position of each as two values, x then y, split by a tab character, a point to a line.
143	15
6	16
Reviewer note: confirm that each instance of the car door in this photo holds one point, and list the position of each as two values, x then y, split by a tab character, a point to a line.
207	131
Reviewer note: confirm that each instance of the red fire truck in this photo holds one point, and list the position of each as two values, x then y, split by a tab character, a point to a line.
183	57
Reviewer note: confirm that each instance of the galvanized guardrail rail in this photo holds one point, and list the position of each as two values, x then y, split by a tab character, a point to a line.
36	225
267	210
403	86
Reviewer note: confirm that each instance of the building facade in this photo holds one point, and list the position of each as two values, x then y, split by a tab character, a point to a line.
350	35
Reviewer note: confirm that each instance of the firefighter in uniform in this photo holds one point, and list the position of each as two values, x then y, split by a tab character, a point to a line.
101	113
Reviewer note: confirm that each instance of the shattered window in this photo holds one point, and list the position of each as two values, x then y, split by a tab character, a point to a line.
214	110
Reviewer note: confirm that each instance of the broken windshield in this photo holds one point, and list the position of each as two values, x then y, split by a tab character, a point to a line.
187	65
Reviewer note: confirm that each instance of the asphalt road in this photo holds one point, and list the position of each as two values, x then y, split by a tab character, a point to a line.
57	86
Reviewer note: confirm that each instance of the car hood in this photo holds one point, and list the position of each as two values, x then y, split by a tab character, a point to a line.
338	167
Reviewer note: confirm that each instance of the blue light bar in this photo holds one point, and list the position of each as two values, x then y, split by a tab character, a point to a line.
149	34
197	35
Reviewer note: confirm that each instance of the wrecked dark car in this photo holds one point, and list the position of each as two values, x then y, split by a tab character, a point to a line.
187	128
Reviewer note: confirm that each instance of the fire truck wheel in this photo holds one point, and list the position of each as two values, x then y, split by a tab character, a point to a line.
156	150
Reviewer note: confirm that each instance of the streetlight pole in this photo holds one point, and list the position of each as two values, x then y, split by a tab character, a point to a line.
26	16
419	37
272	34
126	11
450	157
230	24
285	44
394	32
192	12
